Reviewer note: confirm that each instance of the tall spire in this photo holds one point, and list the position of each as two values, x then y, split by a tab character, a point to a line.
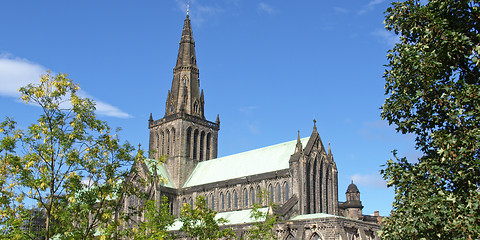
185	97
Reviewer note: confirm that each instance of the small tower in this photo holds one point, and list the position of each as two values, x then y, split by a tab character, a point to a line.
353	205
183	134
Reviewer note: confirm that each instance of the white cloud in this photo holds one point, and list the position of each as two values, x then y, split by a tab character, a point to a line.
18	72
375	2
263	7
369	180
386	37
341	10
105	109
370	6
248	110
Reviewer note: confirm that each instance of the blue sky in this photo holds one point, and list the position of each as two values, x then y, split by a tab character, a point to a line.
267	67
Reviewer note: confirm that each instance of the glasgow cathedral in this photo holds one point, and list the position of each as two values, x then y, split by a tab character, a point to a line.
300	176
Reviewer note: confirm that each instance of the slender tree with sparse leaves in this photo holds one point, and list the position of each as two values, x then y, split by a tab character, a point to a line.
158	219
433	92
264	222
199	222
68	163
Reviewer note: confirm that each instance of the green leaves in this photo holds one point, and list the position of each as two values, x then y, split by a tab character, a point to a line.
264	222
199	222
157	221
68	162
432	87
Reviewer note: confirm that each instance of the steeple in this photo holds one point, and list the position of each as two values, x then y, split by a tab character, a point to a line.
184	96
183	135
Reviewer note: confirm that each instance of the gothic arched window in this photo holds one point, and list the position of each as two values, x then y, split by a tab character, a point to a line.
213	201
229	200
173	141
209	139
202	144
270	191
222	201
168	142
252	195
162	135
259	195
189	136
235	199
286	191
245	197
195	144
279	193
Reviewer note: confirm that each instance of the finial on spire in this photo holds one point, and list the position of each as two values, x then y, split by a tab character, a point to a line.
188	7
329	149
314	124
298	147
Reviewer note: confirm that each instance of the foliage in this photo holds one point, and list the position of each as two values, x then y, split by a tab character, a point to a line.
432	88
157	221
12	210
199	222
69	163
264	222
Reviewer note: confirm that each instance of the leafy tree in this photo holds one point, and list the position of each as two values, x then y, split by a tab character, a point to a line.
157	221
12	210
199	222
69	163
264	221
433	92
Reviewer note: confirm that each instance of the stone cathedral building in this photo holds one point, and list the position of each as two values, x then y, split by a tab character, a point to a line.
300	175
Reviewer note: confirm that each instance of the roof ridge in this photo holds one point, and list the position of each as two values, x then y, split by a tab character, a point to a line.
258	149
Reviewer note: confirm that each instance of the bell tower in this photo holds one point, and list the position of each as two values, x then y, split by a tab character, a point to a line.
183	135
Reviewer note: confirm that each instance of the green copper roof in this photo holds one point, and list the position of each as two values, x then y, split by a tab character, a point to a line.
233	217
161	171
262	160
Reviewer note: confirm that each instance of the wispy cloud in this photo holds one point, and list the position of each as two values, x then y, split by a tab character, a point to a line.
105	109
369	180
376	130
263	7
370	6
198	11
387	37
18	72
341	10
248	110
252	124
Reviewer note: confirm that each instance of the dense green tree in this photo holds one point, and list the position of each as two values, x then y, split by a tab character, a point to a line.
68	163
433	92
199	222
